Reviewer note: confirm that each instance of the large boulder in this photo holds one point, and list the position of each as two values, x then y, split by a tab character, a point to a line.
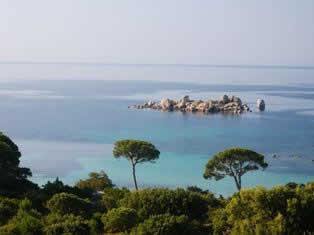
224	99
202	107
260	104
231	104
236	100
167	104
182	103
185	99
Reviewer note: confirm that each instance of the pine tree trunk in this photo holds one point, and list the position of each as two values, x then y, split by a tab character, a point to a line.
237	183
134	176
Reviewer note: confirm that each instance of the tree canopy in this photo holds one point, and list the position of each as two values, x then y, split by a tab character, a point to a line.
13	178
136	151
234	162
65	203
95	182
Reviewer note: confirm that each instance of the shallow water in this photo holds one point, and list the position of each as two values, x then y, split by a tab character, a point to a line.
68	128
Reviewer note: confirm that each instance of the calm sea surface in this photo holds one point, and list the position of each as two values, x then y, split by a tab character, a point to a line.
65	119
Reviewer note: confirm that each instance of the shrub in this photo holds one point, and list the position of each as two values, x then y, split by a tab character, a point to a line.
196	189
280	210
27	220
112	196
165	224
57	186
149	202
219	222
8	208
64	203
95	224
28	225
300	210
95	182
66	224
9	229
119	220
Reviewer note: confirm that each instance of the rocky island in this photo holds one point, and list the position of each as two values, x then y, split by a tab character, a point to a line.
225	104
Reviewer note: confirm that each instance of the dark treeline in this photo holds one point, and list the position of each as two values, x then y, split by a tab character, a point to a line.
96	206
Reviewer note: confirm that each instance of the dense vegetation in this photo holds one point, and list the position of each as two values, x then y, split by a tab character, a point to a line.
97	206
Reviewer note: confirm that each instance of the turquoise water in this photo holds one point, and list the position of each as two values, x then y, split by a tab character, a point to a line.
68	128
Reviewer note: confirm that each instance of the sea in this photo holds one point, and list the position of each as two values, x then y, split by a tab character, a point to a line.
66	117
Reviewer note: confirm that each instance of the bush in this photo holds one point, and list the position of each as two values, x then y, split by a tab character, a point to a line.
28	225
95	224
27	220
300	210
8	208
119	220
95	182
149	202
112	196
67	225
165	225
9	229
57	186
41	196
64	203
219	222
280	210
196	189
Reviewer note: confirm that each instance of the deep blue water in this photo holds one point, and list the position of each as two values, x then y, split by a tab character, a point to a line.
67	129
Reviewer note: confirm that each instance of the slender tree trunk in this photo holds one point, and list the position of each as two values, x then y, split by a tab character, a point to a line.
134	176
240	183
237	183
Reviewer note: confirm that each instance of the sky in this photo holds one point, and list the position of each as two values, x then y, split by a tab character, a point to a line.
248	32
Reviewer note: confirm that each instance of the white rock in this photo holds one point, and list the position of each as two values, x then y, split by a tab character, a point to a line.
167	104
260	104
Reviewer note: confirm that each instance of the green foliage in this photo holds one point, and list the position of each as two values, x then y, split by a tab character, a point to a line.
41	196
57	186
149	202
119	220
293	185
234	162
65	210
9	229
13	178
196	189
280	210
112	196
95	182
64	203
8	208
28	225
95	224
220	222
166	224
27	221
136	151
66	225
300	209
256	210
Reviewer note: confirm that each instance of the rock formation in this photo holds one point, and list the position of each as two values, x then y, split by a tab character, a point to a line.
260	104
225	104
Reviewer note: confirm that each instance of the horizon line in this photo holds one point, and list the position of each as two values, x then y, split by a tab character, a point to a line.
253	66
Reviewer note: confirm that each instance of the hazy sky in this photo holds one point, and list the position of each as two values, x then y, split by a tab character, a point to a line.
158	31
